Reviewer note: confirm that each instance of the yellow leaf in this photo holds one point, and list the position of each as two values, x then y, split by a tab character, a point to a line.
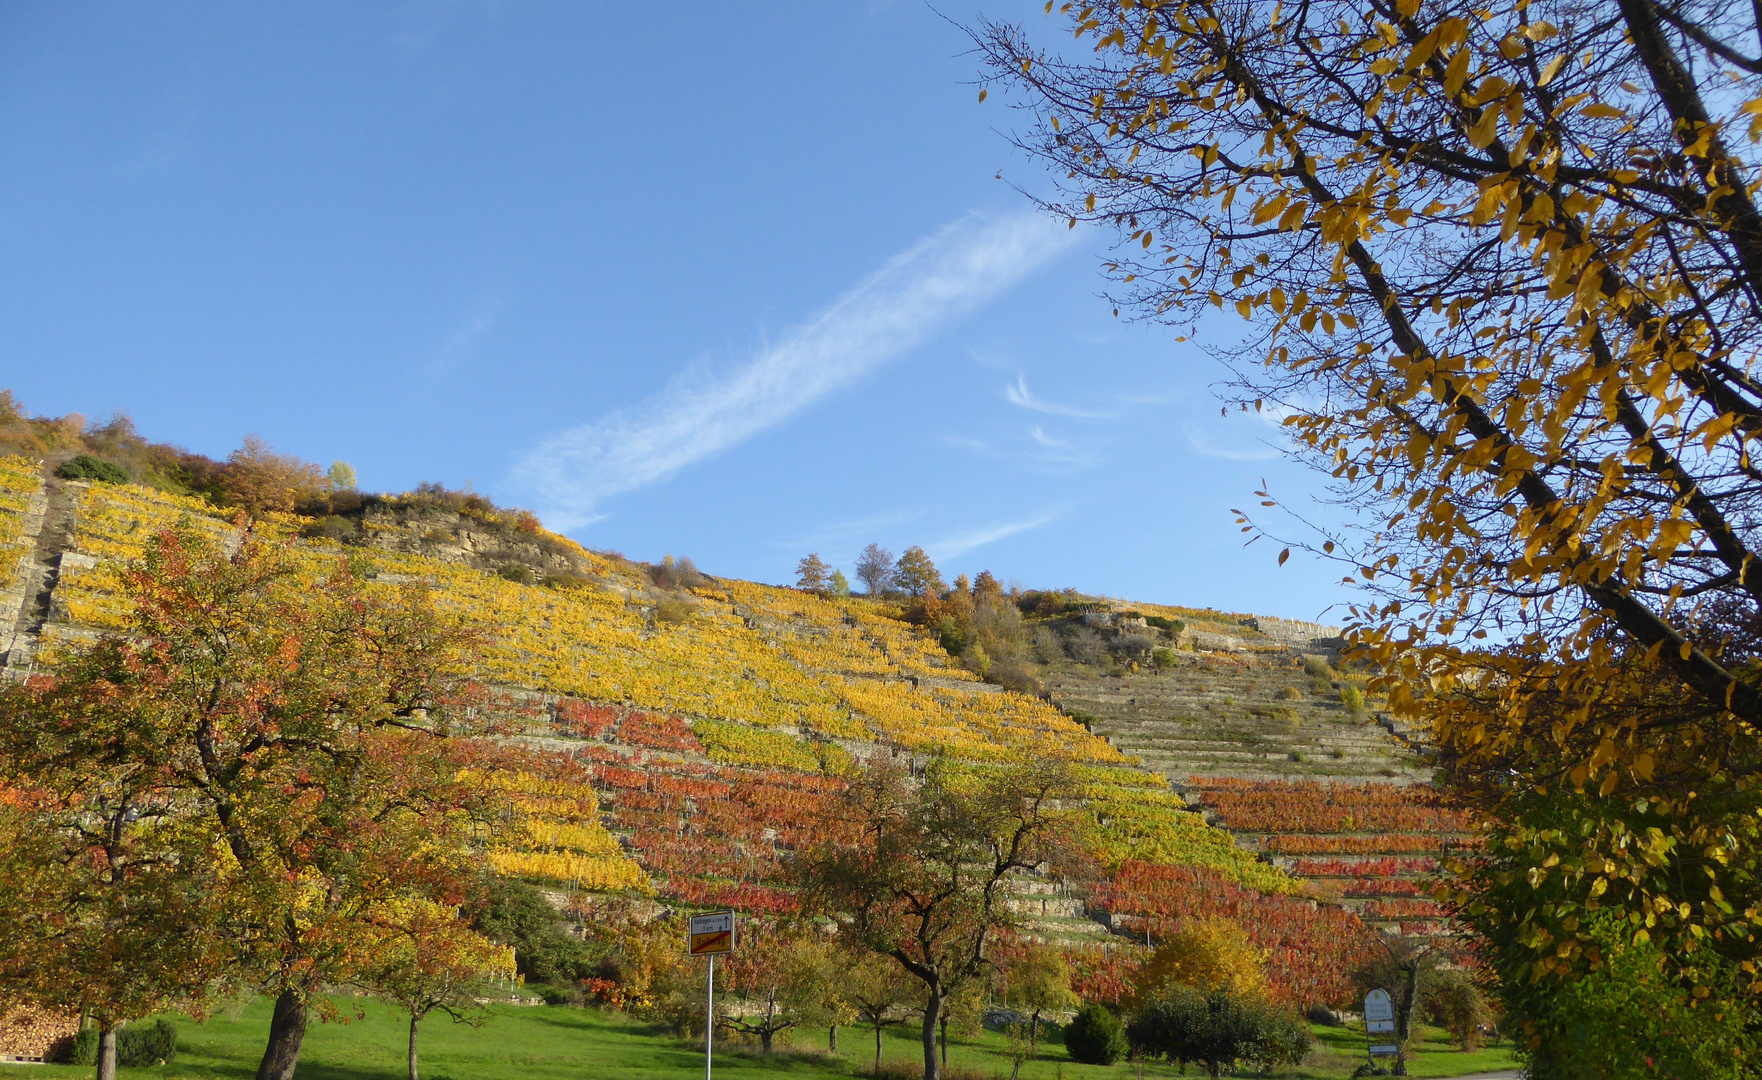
1552	69
1600	111
1283	555
1481	135
982	93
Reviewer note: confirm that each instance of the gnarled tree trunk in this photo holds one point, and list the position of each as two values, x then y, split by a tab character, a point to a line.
287	1029
932	1013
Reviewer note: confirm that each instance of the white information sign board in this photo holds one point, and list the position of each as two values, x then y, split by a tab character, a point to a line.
1379	1014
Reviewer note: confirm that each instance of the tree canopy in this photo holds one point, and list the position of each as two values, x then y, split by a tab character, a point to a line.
919	871
1502	269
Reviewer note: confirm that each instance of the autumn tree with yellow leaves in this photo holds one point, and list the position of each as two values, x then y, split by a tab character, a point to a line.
1502	272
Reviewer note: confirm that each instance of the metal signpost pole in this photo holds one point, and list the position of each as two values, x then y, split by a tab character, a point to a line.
707	935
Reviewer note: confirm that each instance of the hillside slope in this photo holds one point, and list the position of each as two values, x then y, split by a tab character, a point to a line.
675	732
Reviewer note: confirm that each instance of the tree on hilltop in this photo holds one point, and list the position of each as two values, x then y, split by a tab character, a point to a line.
875	569
1503	271
814	574
915	575
259	480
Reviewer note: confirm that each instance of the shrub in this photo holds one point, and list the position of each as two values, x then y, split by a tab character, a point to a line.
1218	1030
518	574
1163	622
674	611
1317	667
1046	645
1096	1036
333	528
87	467
1353	698
147	1044
1454	1003
515	913
1629	1019
1165	657
136	1045
679	573
1085	645
1135	643
1290	693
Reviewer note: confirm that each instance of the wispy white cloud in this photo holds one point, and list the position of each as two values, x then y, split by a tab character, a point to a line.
701	413
1017	394
953	547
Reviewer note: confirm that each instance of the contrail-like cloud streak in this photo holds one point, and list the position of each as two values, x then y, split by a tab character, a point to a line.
701	413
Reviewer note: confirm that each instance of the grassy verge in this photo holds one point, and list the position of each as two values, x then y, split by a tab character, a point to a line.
554	1043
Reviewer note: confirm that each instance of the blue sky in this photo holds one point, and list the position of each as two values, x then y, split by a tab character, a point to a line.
737	282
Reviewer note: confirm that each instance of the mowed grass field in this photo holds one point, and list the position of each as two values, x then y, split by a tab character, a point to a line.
554	1043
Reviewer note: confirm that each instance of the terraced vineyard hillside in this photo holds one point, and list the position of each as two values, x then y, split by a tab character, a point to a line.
1253	722
671	733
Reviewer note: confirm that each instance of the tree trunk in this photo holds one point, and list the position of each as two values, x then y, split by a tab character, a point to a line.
765	1038
932	1013
287	1028
877	1049
1034	1033
832	1038
107	1052
414	1020
945	1042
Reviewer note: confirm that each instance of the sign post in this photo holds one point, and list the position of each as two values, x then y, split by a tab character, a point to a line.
1379	1019
707	935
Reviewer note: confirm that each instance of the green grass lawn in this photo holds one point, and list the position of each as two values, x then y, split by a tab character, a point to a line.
554	1042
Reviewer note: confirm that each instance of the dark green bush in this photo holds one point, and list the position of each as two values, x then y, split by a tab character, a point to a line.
87	467
1095	1036
147	1044
84	1048
515	913
1218	1030
136	1045
518	574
